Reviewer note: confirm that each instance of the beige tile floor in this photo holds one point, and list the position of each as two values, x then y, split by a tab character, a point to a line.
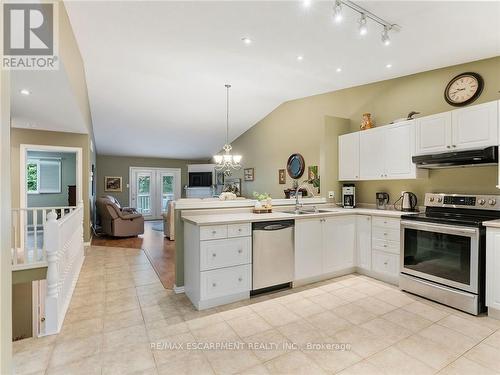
120	307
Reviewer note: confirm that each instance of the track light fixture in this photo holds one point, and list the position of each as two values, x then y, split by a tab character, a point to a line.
363	20
337	11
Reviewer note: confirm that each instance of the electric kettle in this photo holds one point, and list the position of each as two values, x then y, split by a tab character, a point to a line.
408	202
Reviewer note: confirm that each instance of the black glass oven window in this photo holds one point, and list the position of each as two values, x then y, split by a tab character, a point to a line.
442	255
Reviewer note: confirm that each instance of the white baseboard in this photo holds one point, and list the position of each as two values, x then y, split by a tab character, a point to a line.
178	289
86	243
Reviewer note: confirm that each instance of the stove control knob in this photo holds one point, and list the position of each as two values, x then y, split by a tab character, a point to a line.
440	199
492	202
482	202
431	199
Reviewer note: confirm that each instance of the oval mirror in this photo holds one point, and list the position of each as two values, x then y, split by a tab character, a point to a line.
295	166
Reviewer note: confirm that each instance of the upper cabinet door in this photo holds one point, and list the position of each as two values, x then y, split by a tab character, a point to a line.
399	148
349	157
433	134
371	154
475	126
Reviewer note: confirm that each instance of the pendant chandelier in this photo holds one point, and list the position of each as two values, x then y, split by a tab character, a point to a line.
227	162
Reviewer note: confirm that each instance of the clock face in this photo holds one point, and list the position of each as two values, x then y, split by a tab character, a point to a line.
464	89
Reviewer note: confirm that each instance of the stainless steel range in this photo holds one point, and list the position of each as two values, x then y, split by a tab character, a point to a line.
443	250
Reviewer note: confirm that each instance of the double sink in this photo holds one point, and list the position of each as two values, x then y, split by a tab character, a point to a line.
308	212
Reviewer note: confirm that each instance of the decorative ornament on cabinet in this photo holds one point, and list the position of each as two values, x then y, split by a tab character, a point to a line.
367	122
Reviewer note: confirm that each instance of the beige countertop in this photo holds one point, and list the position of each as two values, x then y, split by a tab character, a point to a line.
244	217
492	223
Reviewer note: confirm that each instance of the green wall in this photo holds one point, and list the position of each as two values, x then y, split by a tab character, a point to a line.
119	166
298	126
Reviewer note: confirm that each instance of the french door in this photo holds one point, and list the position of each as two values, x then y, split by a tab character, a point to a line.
151	189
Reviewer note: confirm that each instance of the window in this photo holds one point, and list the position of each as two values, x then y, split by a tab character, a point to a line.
43	176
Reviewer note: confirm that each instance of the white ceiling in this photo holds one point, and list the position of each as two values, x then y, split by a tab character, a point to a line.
51	105
156	70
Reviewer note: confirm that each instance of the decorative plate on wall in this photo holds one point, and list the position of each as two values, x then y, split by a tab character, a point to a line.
295	166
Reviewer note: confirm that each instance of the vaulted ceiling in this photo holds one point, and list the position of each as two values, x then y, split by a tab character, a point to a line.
156	70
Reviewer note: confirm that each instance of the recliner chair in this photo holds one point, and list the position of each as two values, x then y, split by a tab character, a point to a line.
119	221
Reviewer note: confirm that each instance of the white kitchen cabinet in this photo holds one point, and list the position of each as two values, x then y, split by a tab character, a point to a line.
308	248
349	157
339	238
433	134
372	154
492	267
324	245
364	242
466	128
475	126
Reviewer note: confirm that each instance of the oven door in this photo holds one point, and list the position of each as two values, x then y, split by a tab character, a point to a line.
445	254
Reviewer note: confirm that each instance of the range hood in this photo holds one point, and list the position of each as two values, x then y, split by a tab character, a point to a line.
481	157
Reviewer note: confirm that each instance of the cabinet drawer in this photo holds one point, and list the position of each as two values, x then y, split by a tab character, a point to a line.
384	245
225	253
389	234
212	232
385	222
225	281
239	230
385	263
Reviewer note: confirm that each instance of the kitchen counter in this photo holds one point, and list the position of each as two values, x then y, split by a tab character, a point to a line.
492	223
245	217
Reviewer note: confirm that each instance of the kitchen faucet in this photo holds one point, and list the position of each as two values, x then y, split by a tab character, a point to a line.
298	205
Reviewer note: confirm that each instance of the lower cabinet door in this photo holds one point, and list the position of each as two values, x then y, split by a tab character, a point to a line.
339	240
225	281
308	248
492	267
364	242
385	263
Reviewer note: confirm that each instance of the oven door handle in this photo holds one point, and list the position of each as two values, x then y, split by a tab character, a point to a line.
431	227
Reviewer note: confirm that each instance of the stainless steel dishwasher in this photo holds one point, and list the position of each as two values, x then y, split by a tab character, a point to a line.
273	254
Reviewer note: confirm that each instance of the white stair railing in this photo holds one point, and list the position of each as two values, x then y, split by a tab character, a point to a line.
65	254
28	235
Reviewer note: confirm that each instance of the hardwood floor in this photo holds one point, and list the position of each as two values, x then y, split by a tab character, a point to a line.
159	250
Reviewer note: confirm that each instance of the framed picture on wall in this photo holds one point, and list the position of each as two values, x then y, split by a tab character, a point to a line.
112	183
248	174
282	176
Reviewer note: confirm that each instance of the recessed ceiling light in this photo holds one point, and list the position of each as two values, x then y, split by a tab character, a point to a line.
337	11
388	66
338	70
246	40
306	3
25	92
300	57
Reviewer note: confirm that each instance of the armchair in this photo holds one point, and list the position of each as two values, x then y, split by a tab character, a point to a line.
119	221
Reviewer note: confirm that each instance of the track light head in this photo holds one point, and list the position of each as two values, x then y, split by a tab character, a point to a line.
363	28
337	11
386	40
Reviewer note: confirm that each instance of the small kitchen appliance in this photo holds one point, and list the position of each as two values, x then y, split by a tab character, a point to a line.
443	250
382	200
348	196
407	202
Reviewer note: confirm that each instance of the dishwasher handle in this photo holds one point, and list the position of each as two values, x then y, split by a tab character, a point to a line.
272	225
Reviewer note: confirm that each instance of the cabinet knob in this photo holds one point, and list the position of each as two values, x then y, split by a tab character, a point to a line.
385	263
239	229
214	231
448	146
385	245
385	234
214	284
214	255
240	251
240	279
453	145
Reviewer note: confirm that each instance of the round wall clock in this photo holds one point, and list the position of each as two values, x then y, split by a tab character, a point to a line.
464	89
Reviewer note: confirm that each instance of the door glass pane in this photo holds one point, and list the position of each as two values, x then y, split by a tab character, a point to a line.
442	255
167	190
144	194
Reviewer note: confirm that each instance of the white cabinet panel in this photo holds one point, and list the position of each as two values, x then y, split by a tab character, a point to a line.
371	154
492	268
385	263
213	232
239	230
399	148
386	222
308	248
225	281
433	133
349	157
225	253
475	126
339	236
363	242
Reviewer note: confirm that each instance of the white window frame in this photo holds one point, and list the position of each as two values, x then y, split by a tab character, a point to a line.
38	162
